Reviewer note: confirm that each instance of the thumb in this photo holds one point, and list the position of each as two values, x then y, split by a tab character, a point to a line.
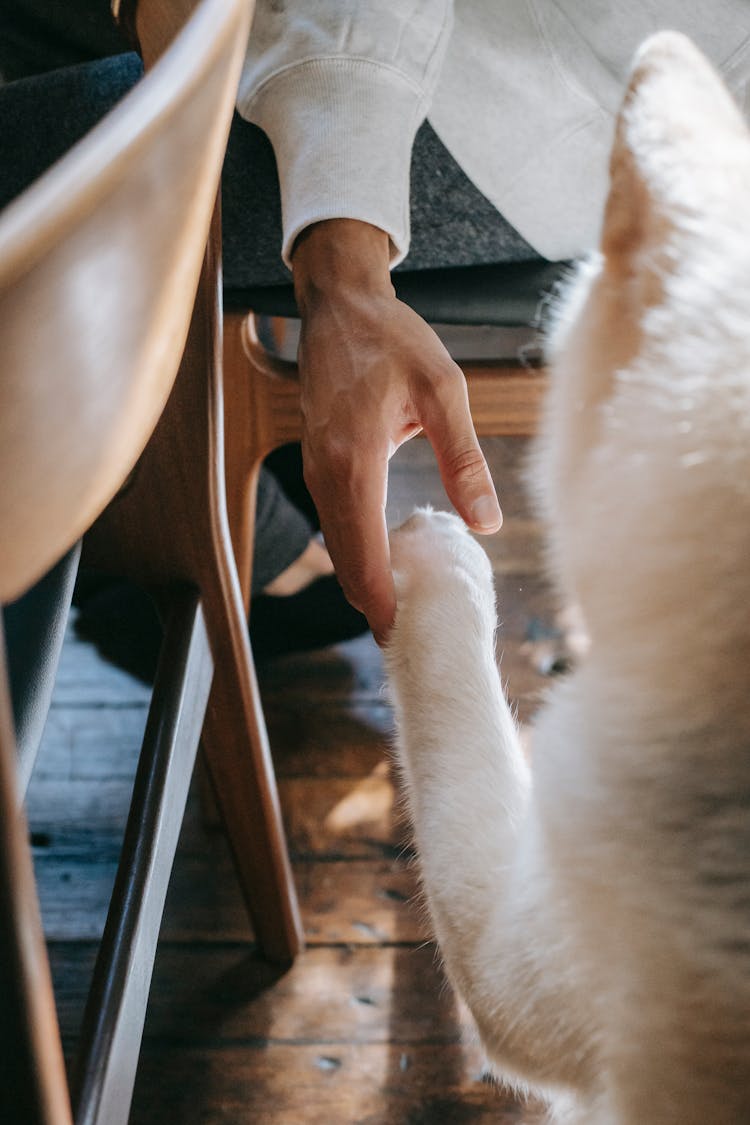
466	478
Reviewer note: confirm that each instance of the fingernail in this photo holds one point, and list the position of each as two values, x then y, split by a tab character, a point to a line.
485	512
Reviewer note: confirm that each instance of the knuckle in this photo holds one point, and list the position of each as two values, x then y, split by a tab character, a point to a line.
330	463
356	589
442	380
465	461
311	474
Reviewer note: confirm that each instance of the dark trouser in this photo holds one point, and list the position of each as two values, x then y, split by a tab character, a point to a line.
452	223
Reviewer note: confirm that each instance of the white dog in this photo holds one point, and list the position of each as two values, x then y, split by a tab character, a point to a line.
594	908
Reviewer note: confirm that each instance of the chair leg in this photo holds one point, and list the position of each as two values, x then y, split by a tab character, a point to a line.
235	705
116	1007
169	524
234	737
262	412
32	1072
235	742
241	460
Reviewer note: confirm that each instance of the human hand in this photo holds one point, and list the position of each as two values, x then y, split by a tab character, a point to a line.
373	374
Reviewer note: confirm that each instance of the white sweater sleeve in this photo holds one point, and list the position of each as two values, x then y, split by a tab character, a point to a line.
340	87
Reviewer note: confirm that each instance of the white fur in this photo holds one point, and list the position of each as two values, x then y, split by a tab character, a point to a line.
594	911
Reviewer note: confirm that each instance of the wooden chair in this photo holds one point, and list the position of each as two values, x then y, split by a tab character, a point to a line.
169	529
99	264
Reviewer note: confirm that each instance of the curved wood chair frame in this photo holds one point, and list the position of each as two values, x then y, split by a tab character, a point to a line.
99	262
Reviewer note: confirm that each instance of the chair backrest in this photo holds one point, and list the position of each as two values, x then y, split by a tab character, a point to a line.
99	264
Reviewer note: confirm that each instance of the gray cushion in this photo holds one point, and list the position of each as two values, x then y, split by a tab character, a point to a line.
503	294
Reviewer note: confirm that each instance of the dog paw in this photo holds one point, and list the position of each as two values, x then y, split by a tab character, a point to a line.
434	551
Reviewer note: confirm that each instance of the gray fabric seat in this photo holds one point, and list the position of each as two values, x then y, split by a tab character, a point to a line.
503	294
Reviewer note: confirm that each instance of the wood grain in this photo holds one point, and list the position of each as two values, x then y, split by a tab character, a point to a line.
350	901
367	1084
223	994
32	1075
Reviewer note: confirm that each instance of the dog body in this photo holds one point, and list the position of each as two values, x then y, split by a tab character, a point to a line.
594	909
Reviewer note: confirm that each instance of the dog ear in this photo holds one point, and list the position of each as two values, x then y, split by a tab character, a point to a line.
681	150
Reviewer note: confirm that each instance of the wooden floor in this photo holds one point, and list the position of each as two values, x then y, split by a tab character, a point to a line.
363	1029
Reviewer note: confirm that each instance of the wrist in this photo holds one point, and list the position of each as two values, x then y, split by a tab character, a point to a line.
340	258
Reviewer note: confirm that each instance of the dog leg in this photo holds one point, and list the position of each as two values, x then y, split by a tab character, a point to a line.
471	799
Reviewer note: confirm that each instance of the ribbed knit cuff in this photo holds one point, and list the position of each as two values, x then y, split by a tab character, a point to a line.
342	130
